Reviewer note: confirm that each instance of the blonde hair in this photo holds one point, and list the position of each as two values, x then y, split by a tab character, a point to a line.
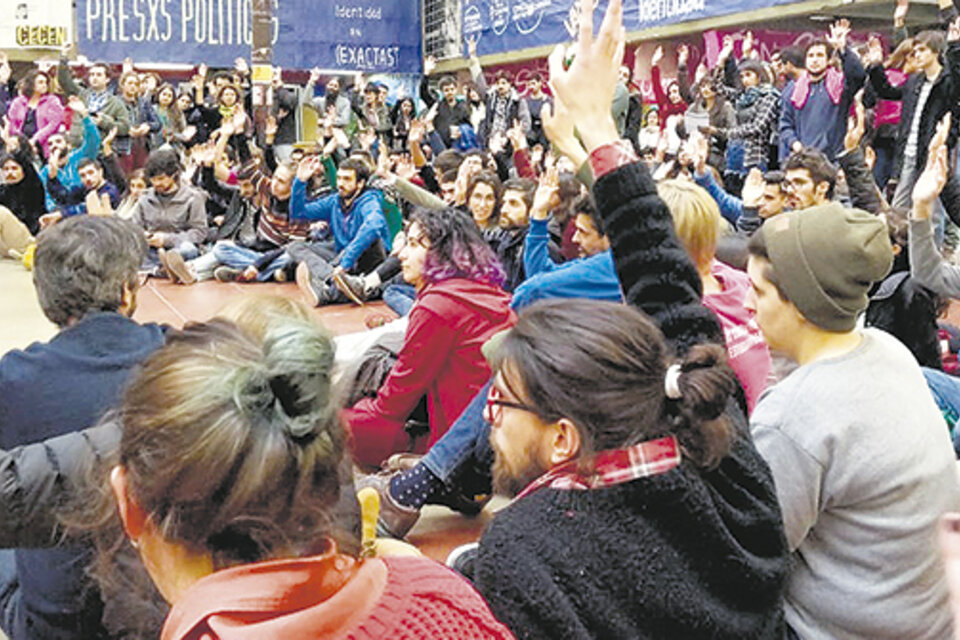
255	313
696	218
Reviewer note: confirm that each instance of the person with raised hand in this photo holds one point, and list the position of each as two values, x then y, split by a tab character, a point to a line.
927	265
814	107
617	430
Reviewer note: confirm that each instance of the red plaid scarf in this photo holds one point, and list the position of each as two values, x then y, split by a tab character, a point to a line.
612	467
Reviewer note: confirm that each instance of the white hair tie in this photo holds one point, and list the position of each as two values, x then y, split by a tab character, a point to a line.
671	382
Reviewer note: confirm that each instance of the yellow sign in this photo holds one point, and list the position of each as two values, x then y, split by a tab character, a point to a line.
41	36
261	73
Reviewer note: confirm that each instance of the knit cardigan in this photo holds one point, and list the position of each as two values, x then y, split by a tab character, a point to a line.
685	554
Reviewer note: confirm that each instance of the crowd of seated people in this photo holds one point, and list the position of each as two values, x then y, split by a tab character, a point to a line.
707	368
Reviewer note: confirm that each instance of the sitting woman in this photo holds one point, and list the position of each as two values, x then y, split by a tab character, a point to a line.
698	223
460	303
228	475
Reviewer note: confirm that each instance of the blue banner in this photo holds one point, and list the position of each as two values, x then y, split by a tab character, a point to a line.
511	25
347	35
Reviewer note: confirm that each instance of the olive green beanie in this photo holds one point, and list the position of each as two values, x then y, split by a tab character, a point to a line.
826	258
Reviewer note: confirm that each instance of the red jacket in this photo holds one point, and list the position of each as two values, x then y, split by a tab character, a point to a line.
333	596
665	107
440	358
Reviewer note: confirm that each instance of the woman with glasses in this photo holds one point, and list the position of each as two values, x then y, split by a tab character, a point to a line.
460	303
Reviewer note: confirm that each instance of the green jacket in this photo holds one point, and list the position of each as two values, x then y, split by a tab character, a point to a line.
112	114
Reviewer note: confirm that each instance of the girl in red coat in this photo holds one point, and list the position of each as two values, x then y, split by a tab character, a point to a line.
460	304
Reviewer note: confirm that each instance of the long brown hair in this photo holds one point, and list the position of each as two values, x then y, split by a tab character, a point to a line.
602	365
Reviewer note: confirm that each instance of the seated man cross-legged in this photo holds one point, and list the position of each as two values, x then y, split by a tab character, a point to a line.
356	222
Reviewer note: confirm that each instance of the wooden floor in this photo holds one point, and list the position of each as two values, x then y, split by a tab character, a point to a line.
22	322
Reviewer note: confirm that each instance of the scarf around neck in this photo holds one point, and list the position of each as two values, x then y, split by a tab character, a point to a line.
801	89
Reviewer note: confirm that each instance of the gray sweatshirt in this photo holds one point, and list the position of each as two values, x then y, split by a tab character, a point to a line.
863	466
927	266
181	215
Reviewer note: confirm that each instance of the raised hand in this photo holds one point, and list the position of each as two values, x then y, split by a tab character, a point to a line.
517	136
5	70
839	31
874	54
66	50
547	196
240	64
657	56
77	105
683	55
726	50
930	183
747	44
314	75
752	191
127	64
953	31
416	130
471	46
202	70
270	127
586	87
307	168
900	12
699	149
107	142
856	124
429	64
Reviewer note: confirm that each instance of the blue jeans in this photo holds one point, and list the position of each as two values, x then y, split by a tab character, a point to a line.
400	298
463	455
187	250
946	393
239	257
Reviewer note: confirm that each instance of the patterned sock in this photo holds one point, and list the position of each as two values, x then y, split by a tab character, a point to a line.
414	487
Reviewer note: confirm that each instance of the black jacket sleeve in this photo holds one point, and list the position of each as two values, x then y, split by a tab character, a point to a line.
37	479
656	274
860	182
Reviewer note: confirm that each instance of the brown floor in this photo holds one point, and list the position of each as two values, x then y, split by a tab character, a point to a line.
439	529
164	302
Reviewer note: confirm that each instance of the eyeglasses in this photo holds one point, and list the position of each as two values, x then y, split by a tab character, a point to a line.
495	404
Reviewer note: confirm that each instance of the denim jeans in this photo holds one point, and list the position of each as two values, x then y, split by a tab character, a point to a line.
946	393
187	250
238	257
903	197
400	298
463	455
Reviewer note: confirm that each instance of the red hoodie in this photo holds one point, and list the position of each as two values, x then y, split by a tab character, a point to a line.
440	358
747	351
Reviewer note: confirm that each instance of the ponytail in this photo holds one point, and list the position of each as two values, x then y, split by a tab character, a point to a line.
706	383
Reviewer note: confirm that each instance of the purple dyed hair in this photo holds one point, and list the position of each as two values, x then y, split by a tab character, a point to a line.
457	249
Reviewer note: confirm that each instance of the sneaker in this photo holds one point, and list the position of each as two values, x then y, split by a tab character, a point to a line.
306	285
176	267
223	273
395	519
350	286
